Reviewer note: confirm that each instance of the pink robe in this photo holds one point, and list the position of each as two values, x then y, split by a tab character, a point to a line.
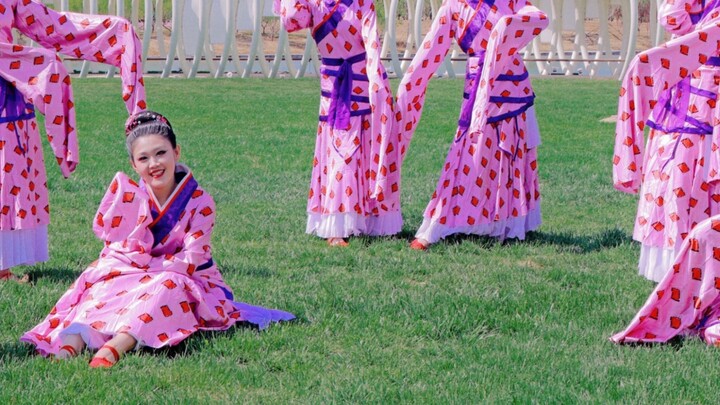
34	79
155	278
673	89
355	184
489	183
687	300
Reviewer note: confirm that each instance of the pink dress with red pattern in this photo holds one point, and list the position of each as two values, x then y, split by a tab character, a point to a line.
34	79
673	89
489	183
687	300
155	278
355	184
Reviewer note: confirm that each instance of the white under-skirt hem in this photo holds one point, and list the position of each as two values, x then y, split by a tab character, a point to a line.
348	224
516	227
655	262
23	246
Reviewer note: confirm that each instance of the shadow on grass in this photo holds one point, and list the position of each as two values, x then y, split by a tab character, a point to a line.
568	242
563	242
60	275
197	342
676	343
15	350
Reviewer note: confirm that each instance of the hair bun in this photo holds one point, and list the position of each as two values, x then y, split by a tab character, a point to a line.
143	117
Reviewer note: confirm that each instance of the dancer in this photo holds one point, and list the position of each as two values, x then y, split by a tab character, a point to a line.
673	89
155	282
489	184
34	79
355	187
686	302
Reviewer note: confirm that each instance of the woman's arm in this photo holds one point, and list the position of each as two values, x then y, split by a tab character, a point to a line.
411	93
294	14
649	75
676	16
105	39
41	77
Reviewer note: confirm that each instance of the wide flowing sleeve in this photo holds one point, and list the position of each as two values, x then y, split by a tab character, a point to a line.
196	249
675	15
105	39
649	75
411	93
122	222
42	79
294	15
509	35
386	150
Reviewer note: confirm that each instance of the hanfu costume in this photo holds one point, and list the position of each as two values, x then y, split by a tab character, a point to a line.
34	80
155	278
673	89
686	302
355	184
489	182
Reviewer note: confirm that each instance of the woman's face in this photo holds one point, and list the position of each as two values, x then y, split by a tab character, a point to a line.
154	160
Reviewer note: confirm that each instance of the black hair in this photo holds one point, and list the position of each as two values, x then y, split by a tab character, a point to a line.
148	123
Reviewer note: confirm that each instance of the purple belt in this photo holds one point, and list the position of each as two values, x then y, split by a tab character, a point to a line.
340	98
670	112
14	108
466	111
12	104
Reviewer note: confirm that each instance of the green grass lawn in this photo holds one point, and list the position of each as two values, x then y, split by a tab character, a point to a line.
471	320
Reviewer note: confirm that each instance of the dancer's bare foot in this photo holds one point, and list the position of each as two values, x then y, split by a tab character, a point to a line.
337	242
419	244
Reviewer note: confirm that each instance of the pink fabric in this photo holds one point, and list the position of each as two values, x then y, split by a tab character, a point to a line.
43	81
355	184
489	182
159	295
687	300
675	172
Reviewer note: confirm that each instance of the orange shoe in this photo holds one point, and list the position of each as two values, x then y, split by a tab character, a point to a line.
337	242
102	362
7	275
418	244
71	352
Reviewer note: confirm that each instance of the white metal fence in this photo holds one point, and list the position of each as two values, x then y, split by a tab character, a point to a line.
241	37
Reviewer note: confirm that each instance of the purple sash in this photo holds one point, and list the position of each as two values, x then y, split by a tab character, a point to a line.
165	221
340	111
466	111
475	25
14	108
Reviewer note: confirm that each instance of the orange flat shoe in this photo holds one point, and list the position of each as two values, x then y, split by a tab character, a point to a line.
337	242
101	362
9	276
69	349
418	245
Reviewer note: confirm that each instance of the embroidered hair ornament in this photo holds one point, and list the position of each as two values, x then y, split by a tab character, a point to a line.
148	123
145	117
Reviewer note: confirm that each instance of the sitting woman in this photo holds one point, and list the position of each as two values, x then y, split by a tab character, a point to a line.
687	300
155	282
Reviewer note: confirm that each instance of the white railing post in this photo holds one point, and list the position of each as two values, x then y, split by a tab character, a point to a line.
548	57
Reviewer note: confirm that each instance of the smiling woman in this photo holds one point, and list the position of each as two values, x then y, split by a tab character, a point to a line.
154	154
155	282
